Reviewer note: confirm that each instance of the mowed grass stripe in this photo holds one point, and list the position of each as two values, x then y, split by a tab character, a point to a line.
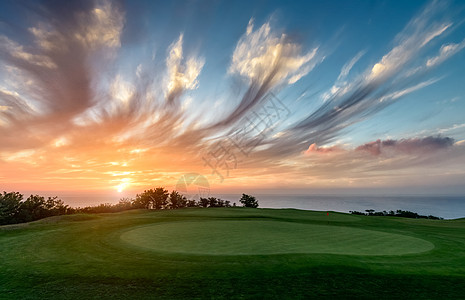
264	237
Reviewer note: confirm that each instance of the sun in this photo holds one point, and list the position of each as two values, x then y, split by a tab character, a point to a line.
123	185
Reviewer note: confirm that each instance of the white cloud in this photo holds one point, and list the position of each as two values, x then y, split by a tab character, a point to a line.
452	128
181	75
349	65
414	37
408	90
122	90
263	55
250	26
445	52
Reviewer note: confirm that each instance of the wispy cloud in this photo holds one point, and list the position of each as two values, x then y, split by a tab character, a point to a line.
263	55
359	98
182	74
349	65
268	61
445	52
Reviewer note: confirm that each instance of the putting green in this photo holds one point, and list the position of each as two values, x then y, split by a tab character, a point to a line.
269	237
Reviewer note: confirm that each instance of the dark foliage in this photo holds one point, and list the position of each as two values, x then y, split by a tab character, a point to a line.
152	199
398	213
13	209
248	201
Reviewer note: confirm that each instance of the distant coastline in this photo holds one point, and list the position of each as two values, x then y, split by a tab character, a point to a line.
447	207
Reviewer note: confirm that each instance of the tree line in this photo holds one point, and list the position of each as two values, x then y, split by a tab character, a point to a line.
14	209
397	213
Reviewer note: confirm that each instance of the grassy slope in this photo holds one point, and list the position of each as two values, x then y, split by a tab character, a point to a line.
83	257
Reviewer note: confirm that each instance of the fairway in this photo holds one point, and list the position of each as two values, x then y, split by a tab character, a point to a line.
232	253
269	237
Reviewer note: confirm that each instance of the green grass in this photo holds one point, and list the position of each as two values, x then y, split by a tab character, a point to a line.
263	237
232	253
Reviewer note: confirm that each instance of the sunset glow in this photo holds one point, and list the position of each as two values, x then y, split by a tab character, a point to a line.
105	96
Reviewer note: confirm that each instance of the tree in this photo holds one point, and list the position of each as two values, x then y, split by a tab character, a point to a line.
56	206
191	203
143	200
160	198
33	209
248	201
153	198
177	200
370	211
212	202
203	202
124	204
9	207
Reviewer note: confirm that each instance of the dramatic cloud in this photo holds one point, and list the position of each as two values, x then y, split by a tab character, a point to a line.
360	97
83	107
267	61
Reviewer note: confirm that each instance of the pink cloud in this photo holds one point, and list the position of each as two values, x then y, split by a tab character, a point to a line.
313	148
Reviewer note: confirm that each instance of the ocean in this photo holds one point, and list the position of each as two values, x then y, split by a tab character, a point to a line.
447	207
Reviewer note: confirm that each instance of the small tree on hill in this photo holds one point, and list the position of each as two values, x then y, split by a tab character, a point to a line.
9	207
203	202
212	202
248	201
176	200
191	203
160	198
153	198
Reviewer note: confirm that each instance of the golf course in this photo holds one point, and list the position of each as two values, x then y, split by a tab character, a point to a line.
232	253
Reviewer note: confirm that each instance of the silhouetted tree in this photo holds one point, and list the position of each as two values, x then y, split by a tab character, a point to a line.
191	203
143	200
13	209
153	198
212	202
9	207
176	200
124	204
248	201
33	209
370	211
203	202
160	198
398	213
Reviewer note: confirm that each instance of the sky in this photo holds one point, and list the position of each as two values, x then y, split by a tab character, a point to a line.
117	97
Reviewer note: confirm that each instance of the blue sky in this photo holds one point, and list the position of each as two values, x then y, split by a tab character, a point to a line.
124	95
